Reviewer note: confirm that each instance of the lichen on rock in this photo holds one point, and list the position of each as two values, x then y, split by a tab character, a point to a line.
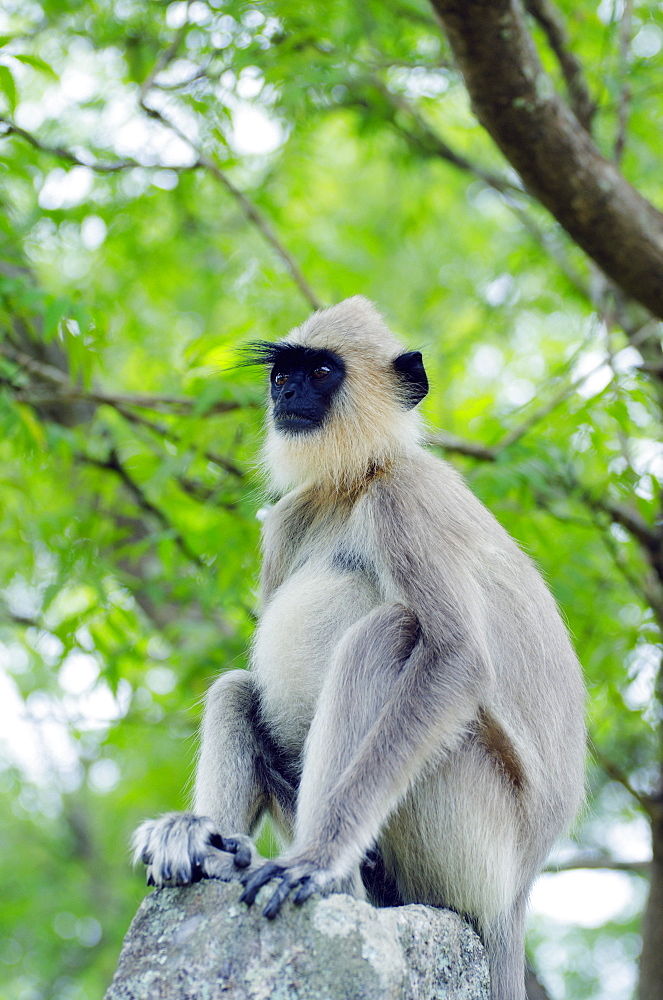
201	942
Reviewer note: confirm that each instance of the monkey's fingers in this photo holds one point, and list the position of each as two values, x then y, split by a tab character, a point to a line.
306	889
254	883
232	845
279	896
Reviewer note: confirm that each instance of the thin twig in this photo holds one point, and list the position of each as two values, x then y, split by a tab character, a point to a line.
201	162
114	464
651	367
624	105
430	144
551	21
263	226
490	453
550	245
204	494
99	166
248	208
162	431
645	585
23	620
599	861
201	74
460	446
545	410
165	58
615	773
627	517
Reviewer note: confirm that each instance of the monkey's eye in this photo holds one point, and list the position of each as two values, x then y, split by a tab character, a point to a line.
280	378
322	371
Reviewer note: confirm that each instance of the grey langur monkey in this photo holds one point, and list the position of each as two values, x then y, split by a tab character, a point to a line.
412	719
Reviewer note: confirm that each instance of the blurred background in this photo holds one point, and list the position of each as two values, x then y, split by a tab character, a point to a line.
177	178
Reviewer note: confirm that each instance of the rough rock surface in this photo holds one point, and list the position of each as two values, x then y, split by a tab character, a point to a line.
201	942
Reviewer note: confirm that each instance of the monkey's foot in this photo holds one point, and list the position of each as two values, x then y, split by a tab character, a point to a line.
180	848
299	876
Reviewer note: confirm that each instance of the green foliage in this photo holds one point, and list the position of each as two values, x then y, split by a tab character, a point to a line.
129	269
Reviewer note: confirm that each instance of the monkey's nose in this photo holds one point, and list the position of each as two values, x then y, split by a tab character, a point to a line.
289	393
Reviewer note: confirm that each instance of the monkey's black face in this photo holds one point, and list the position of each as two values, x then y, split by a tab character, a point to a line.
303	383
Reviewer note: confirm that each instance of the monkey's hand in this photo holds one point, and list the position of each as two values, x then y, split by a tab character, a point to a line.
180	848
296	875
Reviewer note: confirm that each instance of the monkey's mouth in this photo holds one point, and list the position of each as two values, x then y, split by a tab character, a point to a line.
294	423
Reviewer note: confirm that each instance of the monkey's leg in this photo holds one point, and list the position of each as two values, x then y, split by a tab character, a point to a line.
387	706
231	792
459	839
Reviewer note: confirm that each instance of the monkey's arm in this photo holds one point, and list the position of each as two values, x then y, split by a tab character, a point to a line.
235	782
284	528
395	696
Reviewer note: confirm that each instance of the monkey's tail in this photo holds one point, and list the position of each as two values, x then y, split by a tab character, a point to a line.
505	947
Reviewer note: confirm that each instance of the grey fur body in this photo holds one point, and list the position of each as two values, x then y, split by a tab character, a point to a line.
412	686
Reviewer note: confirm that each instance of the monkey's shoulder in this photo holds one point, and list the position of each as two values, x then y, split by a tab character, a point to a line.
422	495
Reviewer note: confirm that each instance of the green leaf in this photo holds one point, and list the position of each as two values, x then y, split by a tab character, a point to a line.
8	87
36	63
54	313
31	424
210	394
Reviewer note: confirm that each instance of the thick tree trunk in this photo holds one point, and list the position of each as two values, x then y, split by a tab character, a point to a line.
516	102
651	962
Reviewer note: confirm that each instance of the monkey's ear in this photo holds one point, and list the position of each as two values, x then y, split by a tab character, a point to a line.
412	378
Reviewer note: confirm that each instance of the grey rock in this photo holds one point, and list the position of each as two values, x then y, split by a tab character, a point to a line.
201	943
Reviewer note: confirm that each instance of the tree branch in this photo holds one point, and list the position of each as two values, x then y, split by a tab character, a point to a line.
422	138
201	162
533	987
461	446
516	102
627	517
110	167
67	390
551	246
263	226
599	862
490	453
645	585
165	58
